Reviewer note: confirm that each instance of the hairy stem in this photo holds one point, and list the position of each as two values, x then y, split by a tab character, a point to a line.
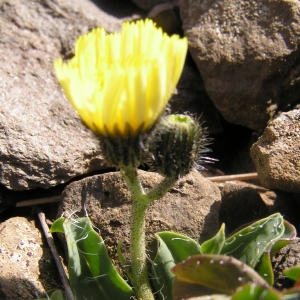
160	190
137	239
140	202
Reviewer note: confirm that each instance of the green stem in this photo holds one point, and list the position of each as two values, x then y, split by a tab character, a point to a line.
140	202
137	239
160	190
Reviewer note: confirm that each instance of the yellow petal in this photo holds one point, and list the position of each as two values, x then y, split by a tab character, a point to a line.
122	79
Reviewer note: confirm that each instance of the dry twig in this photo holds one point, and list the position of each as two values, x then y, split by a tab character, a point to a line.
61	270
248	176
38	201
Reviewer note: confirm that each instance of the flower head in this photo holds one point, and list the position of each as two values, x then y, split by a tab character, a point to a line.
120	83
178	145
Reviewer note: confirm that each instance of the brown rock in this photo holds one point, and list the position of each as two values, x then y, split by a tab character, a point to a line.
247	55
27	269
167	16
192	209
241	204
286	204
42	141
191	97
276	154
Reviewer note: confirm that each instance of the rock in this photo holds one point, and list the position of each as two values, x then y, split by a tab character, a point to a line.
247	54
232	149
149	4
191	97
241	204
276	154
286	204
288	256
27	269
7	199
192	209
167	16
42	141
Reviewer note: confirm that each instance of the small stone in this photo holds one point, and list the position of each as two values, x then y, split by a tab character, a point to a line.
276	154
22	278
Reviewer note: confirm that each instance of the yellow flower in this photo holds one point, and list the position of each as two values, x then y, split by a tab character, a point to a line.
120	83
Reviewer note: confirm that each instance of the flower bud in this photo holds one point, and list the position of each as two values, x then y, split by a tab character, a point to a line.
178	145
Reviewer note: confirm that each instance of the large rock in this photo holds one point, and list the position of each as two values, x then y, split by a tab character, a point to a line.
190	96
27	269
42	141
247	54
276	154
191	209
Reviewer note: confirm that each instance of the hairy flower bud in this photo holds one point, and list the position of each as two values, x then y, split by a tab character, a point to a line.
178	145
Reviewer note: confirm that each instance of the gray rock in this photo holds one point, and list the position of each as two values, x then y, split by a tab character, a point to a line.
276	154
192	210
26	265
247	54
42	141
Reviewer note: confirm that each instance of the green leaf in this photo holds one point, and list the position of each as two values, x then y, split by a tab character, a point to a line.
288	236
277	245
249	243
209	274
123	261
215	244
265	269
54	295
292	272
120	254
173	248
91	272
289	231
255	292
57	226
